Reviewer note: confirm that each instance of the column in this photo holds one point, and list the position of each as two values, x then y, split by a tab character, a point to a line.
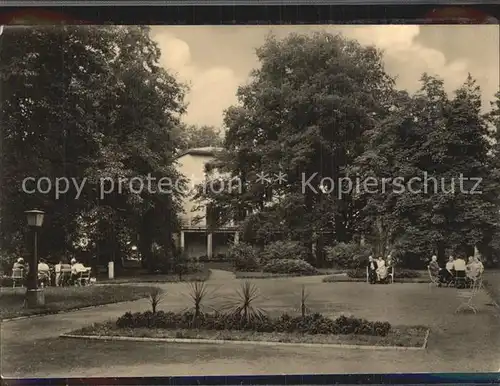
209	245
182	241
237	238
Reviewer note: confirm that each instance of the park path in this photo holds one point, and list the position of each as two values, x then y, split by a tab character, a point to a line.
51	326
38	338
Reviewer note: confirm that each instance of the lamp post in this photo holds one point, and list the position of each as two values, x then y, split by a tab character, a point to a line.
34	296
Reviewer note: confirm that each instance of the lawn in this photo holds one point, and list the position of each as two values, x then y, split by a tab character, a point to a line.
138	276
66	298
402	336
492	284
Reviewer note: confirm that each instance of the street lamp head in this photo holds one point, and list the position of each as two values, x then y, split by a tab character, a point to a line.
35	218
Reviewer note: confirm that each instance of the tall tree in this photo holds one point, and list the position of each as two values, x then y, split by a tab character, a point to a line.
88	102
192	136
303	114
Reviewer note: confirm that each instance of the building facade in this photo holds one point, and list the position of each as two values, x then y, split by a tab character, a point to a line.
195	238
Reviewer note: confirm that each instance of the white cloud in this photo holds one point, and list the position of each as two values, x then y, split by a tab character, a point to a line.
212	89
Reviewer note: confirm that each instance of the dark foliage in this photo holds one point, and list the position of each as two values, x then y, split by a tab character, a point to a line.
309	324
288	266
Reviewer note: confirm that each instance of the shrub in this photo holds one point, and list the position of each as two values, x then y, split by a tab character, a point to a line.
406	274
308	324
288	266
399	274
350	256
245	257
357	273
284	250
242	306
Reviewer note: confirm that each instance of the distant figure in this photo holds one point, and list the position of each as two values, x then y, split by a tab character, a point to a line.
472	270
76	268
43	272
459	267
372	270
434	268
381	269
43	267
19	264
449	273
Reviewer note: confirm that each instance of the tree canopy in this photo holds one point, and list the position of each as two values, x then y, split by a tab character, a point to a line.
321	110
93	104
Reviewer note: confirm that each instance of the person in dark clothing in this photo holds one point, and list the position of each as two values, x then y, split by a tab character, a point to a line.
372	270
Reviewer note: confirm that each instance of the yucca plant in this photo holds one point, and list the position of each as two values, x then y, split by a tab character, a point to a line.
198	293
242	304
155	297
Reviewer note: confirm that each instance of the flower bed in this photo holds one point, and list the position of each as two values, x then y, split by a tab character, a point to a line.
309	324
401	336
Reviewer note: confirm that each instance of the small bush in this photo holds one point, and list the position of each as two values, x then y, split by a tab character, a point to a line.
284	250
398	273
308	324
357	273
6	281
406	274
349	256
245	257
288	266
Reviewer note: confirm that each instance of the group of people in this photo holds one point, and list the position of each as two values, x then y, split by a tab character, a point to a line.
60	274
465	272
378	269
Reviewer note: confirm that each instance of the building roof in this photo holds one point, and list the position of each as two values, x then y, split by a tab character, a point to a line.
206	151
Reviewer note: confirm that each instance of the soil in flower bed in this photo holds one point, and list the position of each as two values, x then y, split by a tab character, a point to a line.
400	336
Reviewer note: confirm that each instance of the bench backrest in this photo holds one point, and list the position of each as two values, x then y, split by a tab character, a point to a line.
17	273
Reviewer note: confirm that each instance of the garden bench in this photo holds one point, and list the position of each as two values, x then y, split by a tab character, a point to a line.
389	275
83	278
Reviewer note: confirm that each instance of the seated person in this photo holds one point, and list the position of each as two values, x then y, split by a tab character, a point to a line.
449	273
472	270
19	264
76	269
459	267
381	271
43	272
372	270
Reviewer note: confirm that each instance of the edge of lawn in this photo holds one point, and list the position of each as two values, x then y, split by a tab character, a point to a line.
400	337
58	307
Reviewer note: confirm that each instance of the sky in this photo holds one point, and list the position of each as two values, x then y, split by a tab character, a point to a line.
215	60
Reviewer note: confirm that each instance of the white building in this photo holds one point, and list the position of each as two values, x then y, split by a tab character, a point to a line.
195	239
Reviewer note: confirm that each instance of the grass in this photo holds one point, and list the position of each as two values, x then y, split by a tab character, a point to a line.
138	277
59	299
492	284
268	275
401	336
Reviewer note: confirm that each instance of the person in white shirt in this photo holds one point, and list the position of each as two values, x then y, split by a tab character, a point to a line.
449	273
459	267
76	268
43	273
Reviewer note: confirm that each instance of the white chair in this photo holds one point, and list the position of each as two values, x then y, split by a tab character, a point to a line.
17	276
391	274
83	278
